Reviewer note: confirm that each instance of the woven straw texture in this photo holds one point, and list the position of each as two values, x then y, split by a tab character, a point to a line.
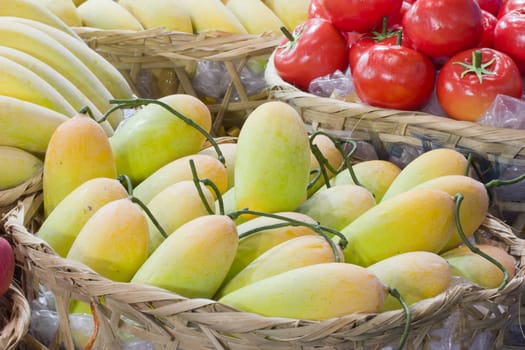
15	316
10	197
170	321
137	54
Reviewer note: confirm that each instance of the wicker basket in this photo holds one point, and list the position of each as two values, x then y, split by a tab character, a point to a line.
10	197
139	56
169	321
15	316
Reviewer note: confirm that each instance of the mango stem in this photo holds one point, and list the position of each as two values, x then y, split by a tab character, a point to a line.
207	182
87	111
404	337
499	182
458	199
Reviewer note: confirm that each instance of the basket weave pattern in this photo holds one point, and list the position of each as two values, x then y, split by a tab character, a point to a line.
15	316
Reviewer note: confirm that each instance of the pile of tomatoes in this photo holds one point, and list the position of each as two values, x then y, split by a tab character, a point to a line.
400	52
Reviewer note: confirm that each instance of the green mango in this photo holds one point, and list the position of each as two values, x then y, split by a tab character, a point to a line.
228	151
313	292
194	259
272	163
63	225
331	154
420	219
153	136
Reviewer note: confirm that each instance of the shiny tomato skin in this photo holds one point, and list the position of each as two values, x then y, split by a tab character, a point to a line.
489	24
509	36
510	5
441	28
464	98
394	76
316	9
492	6
318	49
395	22
358	15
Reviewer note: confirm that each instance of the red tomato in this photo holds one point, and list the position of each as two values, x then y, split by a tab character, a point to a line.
441	28
394	76
492	6
469	82
509	36
510	5
358	15
316	9
394	22
316	49
489	24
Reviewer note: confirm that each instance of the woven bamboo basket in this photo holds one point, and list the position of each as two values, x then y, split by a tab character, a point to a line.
142	55
15	315
10	197
499	148
169	321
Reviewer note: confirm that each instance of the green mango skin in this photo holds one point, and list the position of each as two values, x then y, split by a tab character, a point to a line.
228	151
428	165
63	225
254	245
114	241
154	130
338	206
375	175
296	252
474	207
174	206
180	170
421	219
194	259
416	276
330	153
228	202
272	163
313	292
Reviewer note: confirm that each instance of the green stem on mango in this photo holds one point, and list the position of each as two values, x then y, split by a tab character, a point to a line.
127	103
404	337
125	180
499	182
207	182
87	111
458	199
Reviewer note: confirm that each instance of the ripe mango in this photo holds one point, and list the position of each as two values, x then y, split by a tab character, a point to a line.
330	153
474	207
174	206
338	206
288	255
313	292
416	275
375	175
114	241
78	150
180	170
64	223
420	219
211	15
476	268
194	259
428	165
228	151
154	130
272	163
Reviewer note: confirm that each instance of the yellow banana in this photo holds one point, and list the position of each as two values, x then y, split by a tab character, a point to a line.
18	166
26	125
20	82
42	46
34	9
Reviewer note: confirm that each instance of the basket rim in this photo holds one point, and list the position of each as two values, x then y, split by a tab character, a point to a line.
18	325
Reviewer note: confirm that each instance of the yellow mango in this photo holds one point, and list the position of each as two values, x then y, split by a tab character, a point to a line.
107	14
476	268
209	15
421	219
153	136
292	13
332	155
160	13
255	16
78	150
416	275
64	223
194	259
228	151
313	292
114	241
428	165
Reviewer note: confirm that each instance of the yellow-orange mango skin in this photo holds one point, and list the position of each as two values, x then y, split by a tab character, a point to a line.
416	275
180	170
194	259
78	150
272	163
174	206
336	207
428	165
375	175
332	155
228	151
313	292
474	207
477	269
421	219
154	136
63	225
114	241
294	253
252	246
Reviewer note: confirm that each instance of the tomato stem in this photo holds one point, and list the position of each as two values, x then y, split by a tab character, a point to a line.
287	34
478	68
